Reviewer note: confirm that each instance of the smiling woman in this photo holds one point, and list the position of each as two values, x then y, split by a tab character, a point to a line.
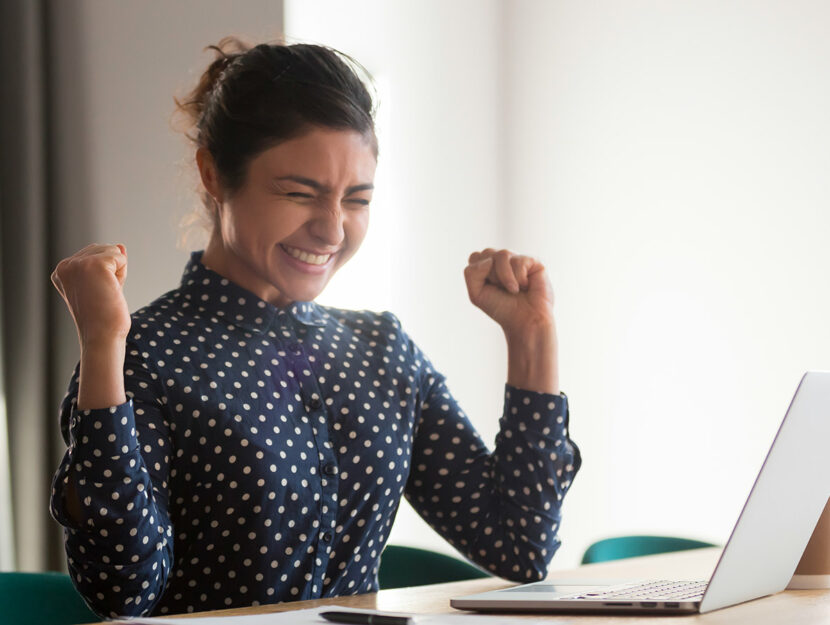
234	443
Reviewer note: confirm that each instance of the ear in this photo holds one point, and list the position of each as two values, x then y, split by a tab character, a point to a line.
209	175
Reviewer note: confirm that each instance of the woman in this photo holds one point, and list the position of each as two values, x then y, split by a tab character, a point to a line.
234	443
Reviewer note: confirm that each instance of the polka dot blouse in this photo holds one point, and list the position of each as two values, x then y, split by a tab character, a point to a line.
263	452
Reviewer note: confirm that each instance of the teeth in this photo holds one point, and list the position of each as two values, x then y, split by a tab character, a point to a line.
311	259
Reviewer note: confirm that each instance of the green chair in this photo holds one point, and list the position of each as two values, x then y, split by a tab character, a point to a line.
633	546
409	566
41	599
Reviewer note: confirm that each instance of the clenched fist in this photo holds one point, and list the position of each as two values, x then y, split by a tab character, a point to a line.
91	282
512	289
515	292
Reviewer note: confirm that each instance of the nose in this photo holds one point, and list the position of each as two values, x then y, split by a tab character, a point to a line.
327	223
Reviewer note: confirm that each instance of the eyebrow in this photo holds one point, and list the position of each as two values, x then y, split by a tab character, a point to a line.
309	182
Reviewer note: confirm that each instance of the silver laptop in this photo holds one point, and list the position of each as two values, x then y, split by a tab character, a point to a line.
762	553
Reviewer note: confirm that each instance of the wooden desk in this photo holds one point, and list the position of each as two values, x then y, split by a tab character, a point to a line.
805	607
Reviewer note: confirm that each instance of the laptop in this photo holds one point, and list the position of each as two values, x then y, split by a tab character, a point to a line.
761	554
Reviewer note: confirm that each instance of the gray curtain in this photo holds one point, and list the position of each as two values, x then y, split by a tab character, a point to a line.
37	340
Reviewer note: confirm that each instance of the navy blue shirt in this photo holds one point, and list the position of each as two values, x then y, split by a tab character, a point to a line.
263	451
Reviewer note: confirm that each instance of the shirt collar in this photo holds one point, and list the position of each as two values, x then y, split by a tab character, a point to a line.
213	293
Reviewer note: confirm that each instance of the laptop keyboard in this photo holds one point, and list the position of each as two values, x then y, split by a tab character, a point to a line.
649	591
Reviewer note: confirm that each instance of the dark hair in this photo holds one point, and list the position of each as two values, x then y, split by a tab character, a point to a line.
252	98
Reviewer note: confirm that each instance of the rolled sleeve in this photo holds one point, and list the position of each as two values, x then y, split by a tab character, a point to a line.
105	432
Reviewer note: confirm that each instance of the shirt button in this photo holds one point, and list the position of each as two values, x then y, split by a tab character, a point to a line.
330	469
315	403
295	348
327	537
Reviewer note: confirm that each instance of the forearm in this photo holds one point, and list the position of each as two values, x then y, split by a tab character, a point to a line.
532	359
111	489
113	503
100	385
101	380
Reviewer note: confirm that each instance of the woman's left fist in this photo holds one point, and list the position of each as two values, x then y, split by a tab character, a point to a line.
513	290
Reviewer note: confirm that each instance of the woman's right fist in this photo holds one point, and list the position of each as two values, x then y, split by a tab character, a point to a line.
91	283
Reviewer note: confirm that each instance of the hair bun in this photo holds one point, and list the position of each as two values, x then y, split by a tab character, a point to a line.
190	109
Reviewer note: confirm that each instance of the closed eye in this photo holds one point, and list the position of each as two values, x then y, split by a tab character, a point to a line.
297	194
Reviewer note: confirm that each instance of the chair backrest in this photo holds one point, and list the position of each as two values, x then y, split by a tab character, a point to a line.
409	566
633	546
42	599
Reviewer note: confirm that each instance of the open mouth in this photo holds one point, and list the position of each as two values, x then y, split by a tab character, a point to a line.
311	259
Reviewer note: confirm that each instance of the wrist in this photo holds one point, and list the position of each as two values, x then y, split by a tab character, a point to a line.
531	336
532	359
101	375
103	355
102	341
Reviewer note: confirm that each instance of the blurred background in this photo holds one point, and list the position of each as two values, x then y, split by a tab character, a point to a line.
668	161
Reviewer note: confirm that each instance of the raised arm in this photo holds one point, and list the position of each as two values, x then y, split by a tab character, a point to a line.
501	509
110	491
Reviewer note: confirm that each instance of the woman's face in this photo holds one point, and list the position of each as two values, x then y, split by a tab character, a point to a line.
301	214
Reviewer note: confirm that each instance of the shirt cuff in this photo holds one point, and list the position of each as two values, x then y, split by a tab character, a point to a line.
534	408
103	432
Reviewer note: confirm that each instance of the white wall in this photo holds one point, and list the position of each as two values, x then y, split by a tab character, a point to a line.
672	159
668	161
